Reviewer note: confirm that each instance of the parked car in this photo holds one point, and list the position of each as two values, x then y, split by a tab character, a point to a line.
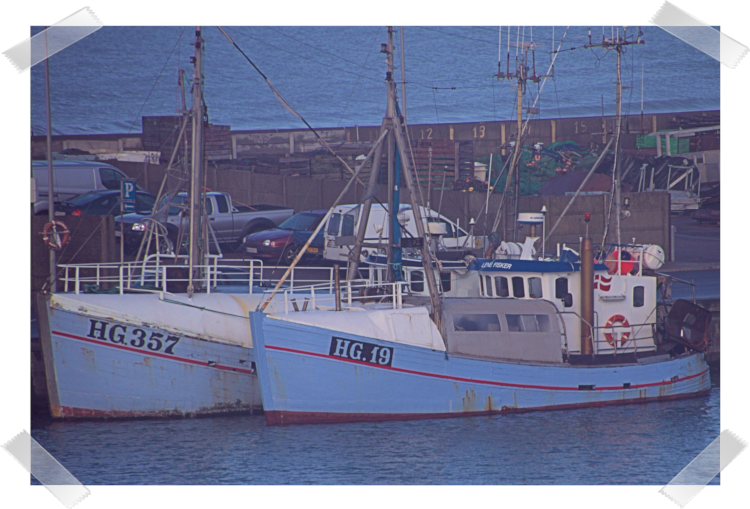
73	178
103	203
280	245
231	223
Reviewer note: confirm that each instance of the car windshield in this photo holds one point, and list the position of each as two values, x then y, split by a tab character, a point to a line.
300	222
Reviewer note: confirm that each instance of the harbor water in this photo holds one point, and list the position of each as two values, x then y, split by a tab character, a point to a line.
621	445
334	76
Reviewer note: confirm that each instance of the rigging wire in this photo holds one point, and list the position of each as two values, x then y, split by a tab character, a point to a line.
327	66
289	107
153	87
317	48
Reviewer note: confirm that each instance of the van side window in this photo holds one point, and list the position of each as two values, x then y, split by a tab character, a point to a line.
110	178
518	287
638	297
333	225
221	204
501	286
535	287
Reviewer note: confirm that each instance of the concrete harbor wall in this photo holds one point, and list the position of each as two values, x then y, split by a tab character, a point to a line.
648	222
487	138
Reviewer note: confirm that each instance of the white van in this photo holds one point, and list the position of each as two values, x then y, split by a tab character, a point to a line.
71	179
344	224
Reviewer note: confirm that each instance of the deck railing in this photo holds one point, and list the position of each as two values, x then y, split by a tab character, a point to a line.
353	293
160	273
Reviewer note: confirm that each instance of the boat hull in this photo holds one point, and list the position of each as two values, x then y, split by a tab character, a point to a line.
101	367
304	379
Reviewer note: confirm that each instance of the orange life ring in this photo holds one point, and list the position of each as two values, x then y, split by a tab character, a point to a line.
55	235
610	335
538	157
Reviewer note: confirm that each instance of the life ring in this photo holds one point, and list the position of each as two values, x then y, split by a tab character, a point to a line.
538	157
55	235
610	335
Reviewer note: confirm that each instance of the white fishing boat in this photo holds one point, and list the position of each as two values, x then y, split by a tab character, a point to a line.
493	336
167	335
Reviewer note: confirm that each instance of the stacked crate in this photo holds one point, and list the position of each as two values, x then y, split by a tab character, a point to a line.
160	134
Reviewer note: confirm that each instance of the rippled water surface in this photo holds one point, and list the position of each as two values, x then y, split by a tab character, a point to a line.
334	76
630	444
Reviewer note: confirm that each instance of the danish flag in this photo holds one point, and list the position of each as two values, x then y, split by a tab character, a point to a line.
602	282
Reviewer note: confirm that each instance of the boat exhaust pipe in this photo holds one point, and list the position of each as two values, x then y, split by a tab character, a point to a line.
587	297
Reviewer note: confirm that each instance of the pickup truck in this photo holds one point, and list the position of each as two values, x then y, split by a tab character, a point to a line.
230	222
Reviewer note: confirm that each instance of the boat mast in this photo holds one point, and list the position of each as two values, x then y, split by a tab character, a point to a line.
196	177
521	76
50	172
619	45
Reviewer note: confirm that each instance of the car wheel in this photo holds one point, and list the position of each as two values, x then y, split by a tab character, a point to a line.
166	245
289	254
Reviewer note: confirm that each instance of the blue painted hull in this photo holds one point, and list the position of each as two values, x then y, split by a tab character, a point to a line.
102	368
301	382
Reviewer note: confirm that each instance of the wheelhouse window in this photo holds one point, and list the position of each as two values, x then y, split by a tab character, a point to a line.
528	323
501	286
469	322
488	286
535	287
638	297
445	281
518	290
417	281
561	287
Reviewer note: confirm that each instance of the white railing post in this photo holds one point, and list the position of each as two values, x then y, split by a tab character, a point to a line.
313	298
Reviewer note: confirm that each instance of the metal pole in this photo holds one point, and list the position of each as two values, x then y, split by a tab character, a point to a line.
517	153
364	216
195	181
587	297
390	113
50	172
618	171
337	286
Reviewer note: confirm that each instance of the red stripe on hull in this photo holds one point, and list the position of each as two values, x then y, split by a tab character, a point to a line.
471	380
153	354
282	418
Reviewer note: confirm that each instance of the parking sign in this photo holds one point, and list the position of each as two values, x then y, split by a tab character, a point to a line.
128	195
